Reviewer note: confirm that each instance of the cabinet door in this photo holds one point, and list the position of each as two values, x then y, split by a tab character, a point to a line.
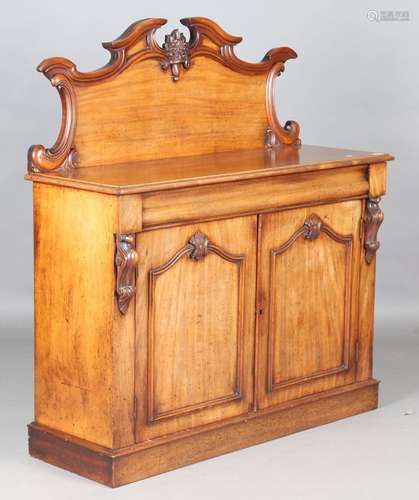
195	325
307	327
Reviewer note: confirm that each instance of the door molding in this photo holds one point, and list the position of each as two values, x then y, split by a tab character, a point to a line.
311	229
197	248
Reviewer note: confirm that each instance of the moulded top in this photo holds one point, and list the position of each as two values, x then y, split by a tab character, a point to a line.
172	173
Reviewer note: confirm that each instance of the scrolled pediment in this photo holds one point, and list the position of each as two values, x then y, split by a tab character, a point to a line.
181	57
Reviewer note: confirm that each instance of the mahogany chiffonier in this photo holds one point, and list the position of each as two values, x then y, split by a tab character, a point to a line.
203	281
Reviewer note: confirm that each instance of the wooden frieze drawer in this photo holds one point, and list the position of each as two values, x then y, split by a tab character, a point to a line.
203	280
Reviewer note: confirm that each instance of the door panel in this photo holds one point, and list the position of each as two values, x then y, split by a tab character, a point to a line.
195	324
308	291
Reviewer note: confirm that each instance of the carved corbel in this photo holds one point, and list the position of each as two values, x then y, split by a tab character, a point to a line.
373	218
126	258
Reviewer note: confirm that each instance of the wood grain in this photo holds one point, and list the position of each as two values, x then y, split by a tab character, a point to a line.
129	110
173	173
203	282
378	179
307	345
75	387
145	460
324	348
252	196
366	313
207	111
130	214
196	382
198	352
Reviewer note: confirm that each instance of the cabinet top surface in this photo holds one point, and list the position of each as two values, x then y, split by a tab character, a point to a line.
171	173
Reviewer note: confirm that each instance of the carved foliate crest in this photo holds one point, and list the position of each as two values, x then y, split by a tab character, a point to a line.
177	51
311	229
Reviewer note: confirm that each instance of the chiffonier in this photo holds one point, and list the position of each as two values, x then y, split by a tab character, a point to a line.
203	281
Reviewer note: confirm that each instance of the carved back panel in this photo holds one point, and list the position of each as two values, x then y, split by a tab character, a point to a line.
150	101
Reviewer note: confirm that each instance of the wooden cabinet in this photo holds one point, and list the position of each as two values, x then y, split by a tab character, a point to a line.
203	281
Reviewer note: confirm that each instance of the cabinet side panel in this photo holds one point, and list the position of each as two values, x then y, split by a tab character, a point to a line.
366	319
74	290
366	315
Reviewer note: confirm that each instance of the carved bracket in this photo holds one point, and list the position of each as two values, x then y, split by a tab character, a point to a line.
126	258
177	53
373	218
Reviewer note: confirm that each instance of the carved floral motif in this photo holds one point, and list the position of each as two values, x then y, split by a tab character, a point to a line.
177	51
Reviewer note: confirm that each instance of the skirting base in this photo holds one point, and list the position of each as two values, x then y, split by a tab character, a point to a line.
125	465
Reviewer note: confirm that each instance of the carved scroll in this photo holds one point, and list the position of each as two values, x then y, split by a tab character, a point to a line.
126	258
311	229
276	134
373	218
197	248
62	154
273	64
